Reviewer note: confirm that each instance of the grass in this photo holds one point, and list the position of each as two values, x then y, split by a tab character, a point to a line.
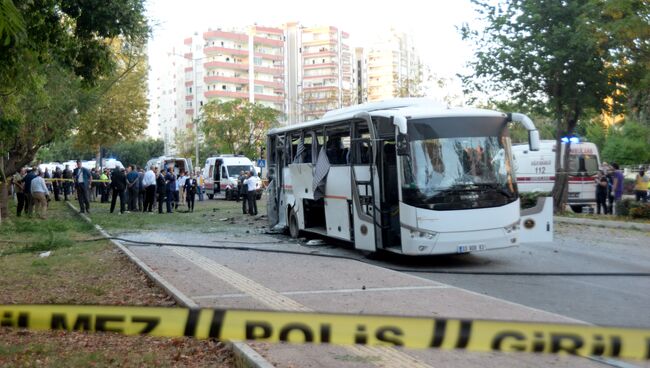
82	272
207	217
605	217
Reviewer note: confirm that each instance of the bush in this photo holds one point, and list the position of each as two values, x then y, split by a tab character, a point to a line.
623	207
642	211
529	200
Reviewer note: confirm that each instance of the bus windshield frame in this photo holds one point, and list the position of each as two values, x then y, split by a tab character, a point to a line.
457	163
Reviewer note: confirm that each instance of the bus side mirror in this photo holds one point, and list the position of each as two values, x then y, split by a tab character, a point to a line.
533	140
402	145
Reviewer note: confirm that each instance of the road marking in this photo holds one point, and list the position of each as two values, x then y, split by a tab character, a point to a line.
330	291
391	357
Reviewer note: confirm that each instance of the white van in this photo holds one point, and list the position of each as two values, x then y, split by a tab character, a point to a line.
535	171
221	174
178	164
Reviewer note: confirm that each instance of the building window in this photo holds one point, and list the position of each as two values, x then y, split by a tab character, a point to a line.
258	60
223	87
221	43
259	89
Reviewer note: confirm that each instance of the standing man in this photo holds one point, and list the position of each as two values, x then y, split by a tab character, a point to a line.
140	189
199	175
27	185
104	186
94	188
181	185
243	191
160	189
67	184
170	186
57	183
641	186
47	175
83	181
617	187
251	185
118	184
40	195
19	189
149	183
190	187
132	187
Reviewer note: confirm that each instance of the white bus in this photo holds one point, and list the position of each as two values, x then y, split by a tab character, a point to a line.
221	173
404	175
535	171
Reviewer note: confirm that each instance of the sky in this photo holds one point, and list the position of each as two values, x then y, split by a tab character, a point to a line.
432	24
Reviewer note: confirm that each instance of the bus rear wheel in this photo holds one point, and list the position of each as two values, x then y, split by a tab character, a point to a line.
210	196
576	209
294	231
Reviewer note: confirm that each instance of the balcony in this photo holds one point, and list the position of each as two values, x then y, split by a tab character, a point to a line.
188	69
189	97
331	76
225	65
277	31
268	41
225	51
189	83
313	54
189	111
276	85
327	41
318	66
269	56
226	94
224	79
267	70
277	99
225	35
320	88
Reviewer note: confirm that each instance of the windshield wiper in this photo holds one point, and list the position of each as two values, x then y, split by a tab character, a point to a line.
499	188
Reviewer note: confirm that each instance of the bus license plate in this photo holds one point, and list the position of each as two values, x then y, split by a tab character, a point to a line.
470	248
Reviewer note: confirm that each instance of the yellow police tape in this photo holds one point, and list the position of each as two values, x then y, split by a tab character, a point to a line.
339	329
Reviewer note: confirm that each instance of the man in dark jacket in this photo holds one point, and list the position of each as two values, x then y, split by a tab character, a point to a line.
160	188
118	185
82	181
57	183
170	186
27	184
243	191
67	184
132	187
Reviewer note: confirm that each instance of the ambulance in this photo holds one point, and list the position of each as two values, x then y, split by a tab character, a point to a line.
535	170
221	174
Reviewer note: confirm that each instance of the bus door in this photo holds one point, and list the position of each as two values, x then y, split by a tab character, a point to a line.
364	186
388	220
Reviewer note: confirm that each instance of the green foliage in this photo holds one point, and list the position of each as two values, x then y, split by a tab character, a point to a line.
136	152
529	200
12	26
237	126
629	144
634	209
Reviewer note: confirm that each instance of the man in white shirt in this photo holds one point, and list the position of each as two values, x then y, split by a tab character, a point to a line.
149	184
251	186
181	185
40	195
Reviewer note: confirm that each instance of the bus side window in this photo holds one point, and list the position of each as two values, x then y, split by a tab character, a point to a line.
361	151
338	144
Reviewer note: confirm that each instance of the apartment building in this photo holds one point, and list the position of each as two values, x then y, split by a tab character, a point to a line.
394	68
169	91
319	72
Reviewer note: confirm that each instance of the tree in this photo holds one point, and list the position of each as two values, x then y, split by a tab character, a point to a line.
46	75
121	111
548	55
413	84
136	152
627	144
12	26
237	126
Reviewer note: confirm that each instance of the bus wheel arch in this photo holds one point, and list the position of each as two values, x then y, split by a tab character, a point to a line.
292	220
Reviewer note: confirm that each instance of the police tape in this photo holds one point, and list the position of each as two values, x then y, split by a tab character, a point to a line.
338	329
71	180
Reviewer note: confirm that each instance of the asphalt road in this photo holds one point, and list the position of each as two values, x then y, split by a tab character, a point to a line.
603	300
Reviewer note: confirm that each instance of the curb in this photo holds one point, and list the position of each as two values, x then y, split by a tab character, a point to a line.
245	356
603	223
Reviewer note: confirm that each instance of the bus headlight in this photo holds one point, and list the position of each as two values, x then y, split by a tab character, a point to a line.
423	234
512	227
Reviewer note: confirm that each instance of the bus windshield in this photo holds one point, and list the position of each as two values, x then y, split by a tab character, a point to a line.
462	172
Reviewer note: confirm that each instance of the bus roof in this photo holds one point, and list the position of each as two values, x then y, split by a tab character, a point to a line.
412	107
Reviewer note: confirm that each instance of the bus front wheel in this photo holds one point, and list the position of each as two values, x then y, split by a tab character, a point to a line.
576	209
294	231
210	196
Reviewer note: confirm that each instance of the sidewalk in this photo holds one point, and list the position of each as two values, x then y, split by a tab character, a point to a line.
602	223
235	279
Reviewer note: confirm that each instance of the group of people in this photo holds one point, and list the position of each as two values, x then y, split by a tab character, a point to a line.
247	186
143	191
609	187
32	191
137	190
